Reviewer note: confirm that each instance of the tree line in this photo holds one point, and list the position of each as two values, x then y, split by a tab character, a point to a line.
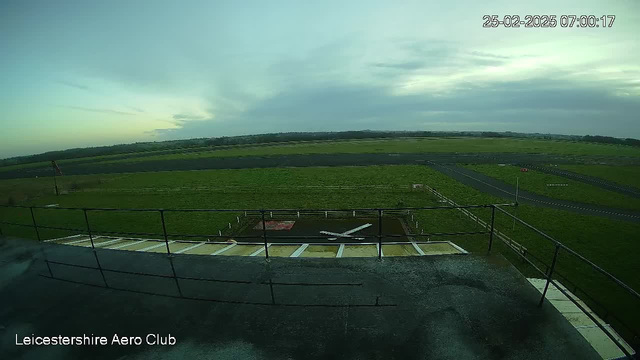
140	147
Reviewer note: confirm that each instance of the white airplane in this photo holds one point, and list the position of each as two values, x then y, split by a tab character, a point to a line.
346	234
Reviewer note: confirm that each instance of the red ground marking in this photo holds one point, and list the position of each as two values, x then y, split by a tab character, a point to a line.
275	225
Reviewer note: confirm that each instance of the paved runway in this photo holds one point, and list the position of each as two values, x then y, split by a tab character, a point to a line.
312	160
444	162
500	189
607	185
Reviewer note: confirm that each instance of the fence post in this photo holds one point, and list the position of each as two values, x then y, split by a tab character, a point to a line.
264	236
493	217
86	220
553	265
379	234
35	226
164	231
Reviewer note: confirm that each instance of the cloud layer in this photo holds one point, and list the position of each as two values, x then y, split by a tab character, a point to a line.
122	71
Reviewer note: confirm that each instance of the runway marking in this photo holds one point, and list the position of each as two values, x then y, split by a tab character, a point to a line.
415	246
125	245
540	201
571	175
300	250
340	251
107	242
79	241
259	251
189	248
66	237
224	249
154	246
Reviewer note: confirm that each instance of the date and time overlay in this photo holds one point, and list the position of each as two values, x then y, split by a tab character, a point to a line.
548	21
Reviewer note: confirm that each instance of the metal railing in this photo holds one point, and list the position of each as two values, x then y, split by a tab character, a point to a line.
549	273
378	213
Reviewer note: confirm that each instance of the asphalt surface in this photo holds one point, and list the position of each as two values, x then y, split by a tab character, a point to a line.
500	189
601	183
429	307
311	160
308	231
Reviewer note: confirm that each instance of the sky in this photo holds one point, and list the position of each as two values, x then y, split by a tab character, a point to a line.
90	73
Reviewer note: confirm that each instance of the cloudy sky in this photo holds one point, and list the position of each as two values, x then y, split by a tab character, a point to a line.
85	73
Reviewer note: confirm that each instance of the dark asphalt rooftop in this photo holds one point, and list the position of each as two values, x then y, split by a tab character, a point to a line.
428	307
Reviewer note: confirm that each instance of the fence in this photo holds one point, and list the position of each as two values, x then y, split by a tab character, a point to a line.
488	228
262	214
550	272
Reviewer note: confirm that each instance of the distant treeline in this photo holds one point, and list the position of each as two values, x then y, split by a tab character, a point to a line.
611	140
290	137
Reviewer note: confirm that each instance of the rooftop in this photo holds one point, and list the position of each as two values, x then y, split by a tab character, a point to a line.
464	307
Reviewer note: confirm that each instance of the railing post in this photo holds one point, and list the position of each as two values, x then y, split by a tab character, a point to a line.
379	234
549	275
164	231
493	217
264	236
35	226
86	220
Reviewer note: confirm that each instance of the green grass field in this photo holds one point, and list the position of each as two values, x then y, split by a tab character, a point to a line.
623	175
536	181
60	162
610	244
409	145
413	145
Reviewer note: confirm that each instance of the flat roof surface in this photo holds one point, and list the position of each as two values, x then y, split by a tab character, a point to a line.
445	307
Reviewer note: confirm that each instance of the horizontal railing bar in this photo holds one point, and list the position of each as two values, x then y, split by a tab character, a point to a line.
247	210
222	301
556	242
144	274
16	224
559	274
58	228
615	341
602	271
127	233
198	278
271	236
572	252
